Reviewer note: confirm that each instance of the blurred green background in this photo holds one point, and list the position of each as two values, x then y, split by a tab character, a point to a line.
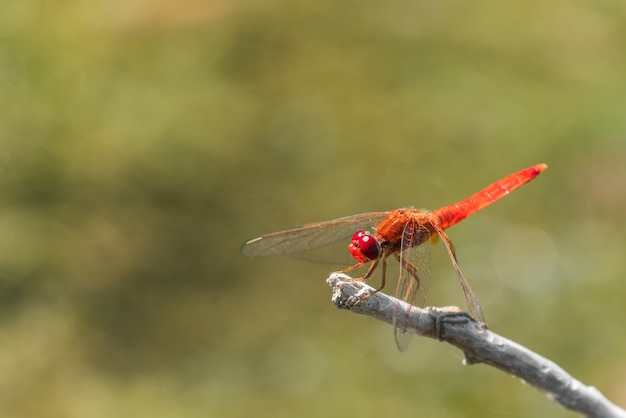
142	142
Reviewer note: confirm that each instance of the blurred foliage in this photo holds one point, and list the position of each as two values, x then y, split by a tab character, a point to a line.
143	142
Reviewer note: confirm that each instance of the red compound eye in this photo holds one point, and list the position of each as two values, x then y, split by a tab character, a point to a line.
364	247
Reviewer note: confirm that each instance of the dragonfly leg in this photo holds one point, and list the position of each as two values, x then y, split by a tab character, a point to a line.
370	271
354	267
412	270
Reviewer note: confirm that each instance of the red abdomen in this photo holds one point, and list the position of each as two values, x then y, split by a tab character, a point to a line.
452	214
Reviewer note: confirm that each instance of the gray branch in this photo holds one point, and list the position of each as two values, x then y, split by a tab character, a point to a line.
479	345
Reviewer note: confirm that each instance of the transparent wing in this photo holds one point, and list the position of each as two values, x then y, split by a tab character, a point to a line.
472	301
310	236
414	277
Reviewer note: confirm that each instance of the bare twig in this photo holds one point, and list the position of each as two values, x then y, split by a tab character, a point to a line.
478	344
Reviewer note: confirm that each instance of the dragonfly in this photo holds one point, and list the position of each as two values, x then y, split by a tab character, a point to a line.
405	235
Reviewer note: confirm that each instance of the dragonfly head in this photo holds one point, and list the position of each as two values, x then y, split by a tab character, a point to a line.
364	247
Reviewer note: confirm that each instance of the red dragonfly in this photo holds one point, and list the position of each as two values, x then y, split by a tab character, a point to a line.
404	234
